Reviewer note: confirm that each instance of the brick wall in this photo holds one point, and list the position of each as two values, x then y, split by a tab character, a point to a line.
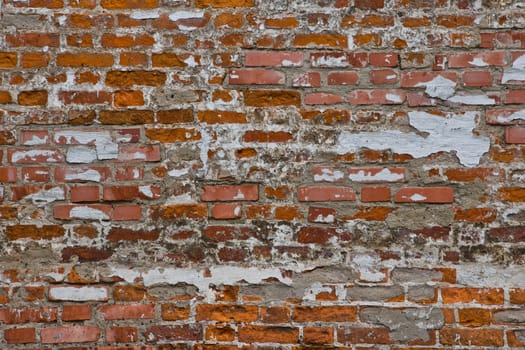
249	174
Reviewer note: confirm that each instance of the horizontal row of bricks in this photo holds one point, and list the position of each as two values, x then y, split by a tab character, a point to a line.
284	59
359	334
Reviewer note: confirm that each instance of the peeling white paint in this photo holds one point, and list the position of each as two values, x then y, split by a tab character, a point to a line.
190	61
185	198
202	279
385	175
452	133
329	175
104	145
178	172
78	294
325	219
416	197
393	98
176	16
472	100
88	175
33	154
439	87
43	197
146	191
35	140
478	62
144	14
239	195
88	213
516	73
330	61
81	154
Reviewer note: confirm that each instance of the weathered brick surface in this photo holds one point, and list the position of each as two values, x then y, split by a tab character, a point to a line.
248	174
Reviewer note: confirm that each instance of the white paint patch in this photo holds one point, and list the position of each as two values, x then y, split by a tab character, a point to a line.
43	197
516	73
384	175
473	100
239	195
329	175
330	61
518	115
328	219
146	191
416	197
78	294
35	140
452	133
176	16
88	213
88	175
33	154
204	148
237	210
104	145
288	63
202	279
178	172
478	62
144	14
190	61
393	98
439	87
81	154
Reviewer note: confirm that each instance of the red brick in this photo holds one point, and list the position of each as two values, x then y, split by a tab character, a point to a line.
343	78
20	335
425	195
76	312
325	194
323	98
230	193
273	58
378	96
256	77
226	211
73	334
84	194
124	312
471	337
478	79
375	194
122	334
268	334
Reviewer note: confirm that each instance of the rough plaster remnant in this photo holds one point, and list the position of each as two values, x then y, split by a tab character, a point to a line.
367	267
439	87
421	292
510	316
88	213
170	97
404	275
480	275
78	294
405	325
383	175
43	197
444	134
87	175
375	293
81	154
516	73
144	14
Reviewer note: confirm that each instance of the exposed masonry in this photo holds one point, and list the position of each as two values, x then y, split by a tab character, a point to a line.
248	174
